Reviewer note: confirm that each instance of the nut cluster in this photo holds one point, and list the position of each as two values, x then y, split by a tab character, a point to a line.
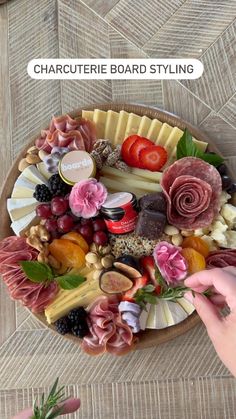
32	157
99	258
104	155
174	233
38	237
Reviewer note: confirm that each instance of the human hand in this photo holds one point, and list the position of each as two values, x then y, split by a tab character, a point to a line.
69	406
221	330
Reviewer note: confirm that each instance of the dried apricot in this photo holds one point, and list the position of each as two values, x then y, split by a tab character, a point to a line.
77	239
197	244
67	253
196	261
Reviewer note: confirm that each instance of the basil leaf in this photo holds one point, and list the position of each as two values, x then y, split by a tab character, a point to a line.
150	298
69	282
213	159
186	146
36	271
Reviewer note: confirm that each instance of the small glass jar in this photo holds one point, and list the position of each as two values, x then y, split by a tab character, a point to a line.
120	212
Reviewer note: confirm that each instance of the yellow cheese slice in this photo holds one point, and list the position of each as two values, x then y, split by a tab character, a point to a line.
154	130
186	305
119	175
116	186
202	145
163	134
99	118
147	174
171	144
87	115
111	124
144	126
132	124
121	127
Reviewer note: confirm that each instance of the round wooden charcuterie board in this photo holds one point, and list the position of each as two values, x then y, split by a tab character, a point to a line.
148	338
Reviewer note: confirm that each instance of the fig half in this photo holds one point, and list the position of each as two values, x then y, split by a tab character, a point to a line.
129	266
114	282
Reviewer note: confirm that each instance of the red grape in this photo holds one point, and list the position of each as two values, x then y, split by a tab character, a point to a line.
87	232
99	224
100	238
44	211
51	224
59	205
65	223
86	222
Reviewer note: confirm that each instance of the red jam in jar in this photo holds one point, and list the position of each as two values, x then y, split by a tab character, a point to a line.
120	212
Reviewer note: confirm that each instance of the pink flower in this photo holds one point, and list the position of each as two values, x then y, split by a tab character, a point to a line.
171	263
87	197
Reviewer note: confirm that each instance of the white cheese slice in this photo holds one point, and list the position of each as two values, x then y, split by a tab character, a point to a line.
87	115
23	223
144	316
154	130
144	126
111	124
228	212
23	188
99	118
157	316
164	134
132	124
42	169
33	175
178	314
19	207
121	127
186	305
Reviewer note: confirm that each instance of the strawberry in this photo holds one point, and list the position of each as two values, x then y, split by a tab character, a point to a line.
148	264
125	148
135	149
138	283
153	158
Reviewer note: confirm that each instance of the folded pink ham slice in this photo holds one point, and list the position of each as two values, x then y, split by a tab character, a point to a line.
35	296
192	189
65	131
221	258
108	333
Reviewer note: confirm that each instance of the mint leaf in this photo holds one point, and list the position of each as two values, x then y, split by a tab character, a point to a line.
69	282
186	147
36	271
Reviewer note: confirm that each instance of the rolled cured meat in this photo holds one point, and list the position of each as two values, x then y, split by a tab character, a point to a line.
221	258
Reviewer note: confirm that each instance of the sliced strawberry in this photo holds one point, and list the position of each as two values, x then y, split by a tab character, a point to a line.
148	264
126	146
153	158
135	149
138	283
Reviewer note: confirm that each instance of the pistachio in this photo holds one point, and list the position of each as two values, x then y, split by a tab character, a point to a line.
170	230
91	257
177	239
106	262
98	265
32	158
22	165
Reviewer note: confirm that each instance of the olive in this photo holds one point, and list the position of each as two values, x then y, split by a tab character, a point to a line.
232	188
226	182
222	169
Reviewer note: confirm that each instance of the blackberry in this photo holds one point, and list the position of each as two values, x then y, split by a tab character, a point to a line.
80	329
57	186
63	325
77	314
42	193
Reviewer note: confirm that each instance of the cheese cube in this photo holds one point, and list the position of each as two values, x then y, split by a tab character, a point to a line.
230	239
228	211
224	197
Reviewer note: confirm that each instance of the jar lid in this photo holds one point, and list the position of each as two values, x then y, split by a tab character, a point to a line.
117	200
76	165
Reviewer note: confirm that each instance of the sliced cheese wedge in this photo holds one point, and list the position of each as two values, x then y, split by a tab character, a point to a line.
147	174
119	175
116	186
33	175
19	226
130	184
19	207
99	118
23	188
171	144
154	130
42	169
132	124
178	314
157	316
186	305
144	126
111	124
121	127
144	316
202	145
87	115
163	134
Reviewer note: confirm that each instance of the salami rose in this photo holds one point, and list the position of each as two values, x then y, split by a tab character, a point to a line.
221	258
192	188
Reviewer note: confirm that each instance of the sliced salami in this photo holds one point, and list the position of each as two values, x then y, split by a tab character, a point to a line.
221	258
192	188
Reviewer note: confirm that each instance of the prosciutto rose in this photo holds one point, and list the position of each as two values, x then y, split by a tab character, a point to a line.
192	188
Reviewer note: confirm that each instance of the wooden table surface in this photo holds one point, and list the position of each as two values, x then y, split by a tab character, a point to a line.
180	379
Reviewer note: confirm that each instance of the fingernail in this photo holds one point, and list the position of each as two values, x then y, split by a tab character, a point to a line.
189	296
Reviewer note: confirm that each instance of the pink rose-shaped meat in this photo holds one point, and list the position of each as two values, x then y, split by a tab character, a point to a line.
170	262
192	189
87	197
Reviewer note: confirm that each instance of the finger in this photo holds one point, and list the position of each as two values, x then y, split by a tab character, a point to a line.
218	300
206	310
25	414
70	406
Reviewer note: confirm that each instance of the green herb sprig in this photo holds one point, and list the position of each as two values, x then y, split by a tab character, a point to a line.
42	273
49	408
186	147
